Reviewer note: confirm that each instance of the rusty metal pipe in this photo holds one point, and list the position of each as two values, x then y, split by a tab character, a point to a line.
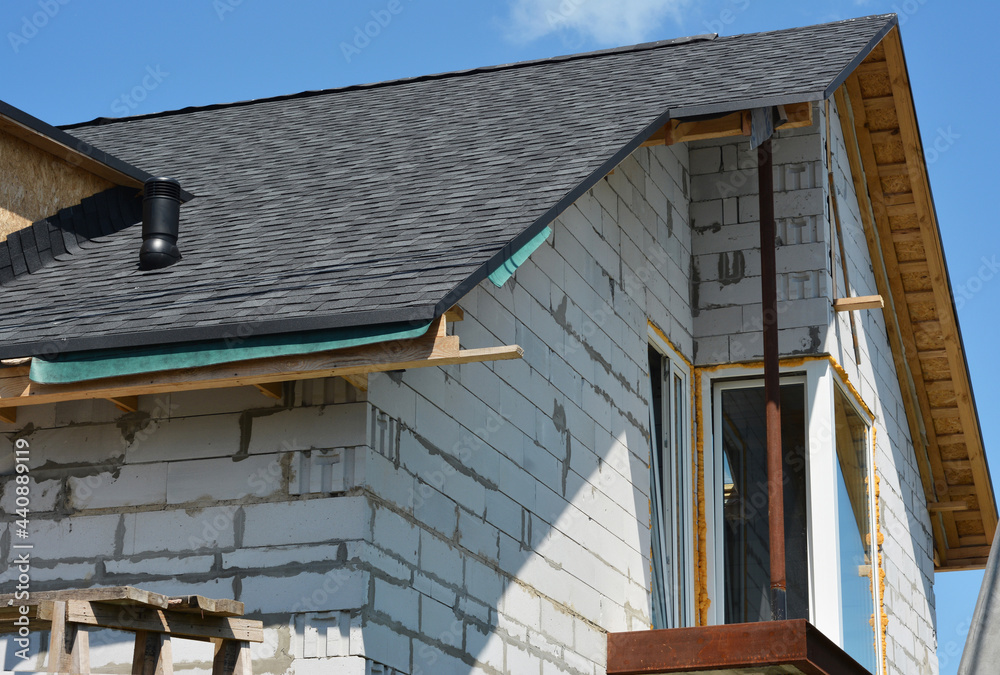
772	383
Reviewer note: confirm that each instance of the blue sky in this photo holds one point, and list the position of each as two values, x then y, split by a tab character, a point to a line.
69	61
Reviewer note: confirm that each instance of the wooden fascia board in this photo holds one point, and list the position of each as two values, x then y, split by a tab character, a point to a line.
434	348
930	228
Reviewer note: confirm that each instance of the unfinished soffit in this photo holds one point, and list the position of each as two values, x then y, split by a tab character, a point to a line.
890	174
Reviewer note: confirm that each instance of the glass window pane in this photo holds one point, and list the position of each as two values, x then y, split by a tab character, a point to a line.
745	502
854	532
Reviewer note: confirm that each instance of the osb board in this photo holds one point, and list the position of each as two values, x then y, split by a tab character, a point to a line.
889	151
874	84
35	184
928	335
880	119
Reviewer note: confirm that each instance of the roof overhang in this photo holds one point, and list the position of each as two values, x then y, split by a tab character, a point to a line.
890	175
752	648
433	348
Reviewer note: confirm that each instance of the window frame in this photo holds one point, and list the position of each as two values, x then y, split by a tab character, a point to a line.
820	378
682	580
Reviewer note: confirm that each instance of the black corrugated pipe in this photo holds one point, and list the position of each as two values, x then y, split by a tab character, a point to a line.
161	214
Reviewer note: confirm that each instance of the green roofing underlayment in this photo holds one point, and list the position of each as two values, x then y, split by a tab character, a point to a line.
507	269
118	362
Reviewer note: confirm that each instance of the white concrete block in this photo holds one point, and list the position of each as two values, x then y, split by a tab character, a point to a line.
398	602
76	537
308	521
179	530
338	589
43	494
335	426
394	532
167	566
477	536
439	622
185	438
213	480
144	485
281	556
440	558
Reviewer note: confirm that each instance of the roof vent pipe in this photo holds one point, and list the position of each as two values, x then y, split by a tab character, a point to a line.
161	212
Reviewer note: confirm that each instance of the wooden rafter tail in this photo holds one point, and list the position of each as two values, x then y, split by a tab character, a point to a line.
359	381
8	415
275	390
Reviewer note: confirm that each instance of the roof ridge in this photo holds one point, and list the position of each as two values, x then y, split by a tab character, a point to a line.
641	47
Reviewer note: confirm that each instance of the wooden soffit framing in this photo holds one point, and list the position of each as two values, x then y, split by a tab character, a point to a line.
733	124
434	348
889	170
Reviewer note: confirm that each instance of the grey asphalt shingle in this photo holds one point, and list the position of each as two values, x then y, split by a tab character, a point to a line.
381	203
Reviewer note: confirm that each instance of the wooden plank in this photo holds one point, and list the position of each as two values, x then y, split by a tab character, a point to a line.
860	302
359	381
181	624
879	103
872	68
935	507
231	658
208	606
59	659
118	595
8	415
861	157
275	390
152	654
926	215
126	403
454	314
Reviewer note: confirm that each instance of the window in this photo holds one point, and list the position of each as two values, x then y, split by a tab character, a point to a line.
744	496
854	528
670	490
828	497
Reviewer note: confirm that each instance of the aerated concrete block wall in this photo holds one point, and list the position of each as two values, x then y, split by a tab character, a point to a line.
483	518
725	216
911	640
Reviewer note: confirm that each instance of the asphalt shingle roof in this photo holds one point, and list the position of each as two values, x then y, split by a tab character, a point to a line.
388	202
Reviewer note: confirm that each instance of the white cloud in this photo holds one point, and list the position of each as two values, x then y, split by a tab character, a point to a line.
608	22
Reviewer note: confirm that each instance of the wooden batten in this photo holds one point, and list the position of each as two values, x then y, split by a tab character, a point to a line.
434	348
733	124
890	175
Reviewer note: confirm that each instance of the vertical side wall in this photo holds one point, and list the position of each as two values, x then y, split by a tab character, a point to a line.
726	245
527	481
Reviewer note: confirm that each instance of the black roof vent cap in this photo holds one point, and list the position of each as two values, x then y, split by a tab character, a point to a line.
161	213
